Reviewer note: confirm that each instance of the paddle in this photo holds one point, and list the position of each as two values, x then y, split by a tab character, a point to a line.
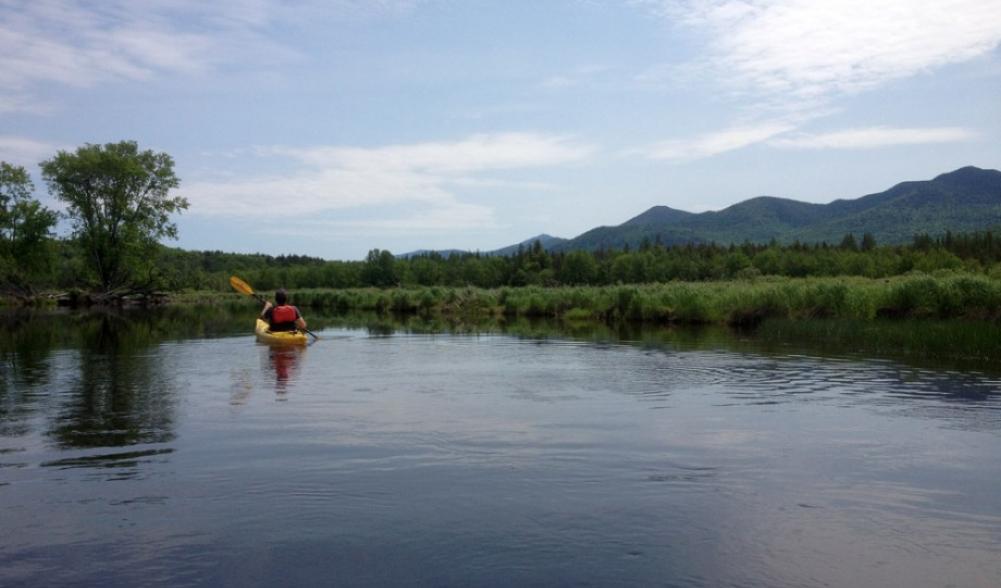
244	288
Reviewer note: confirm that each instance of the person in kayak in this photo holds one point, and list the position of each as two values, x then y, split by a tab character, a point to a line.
282	316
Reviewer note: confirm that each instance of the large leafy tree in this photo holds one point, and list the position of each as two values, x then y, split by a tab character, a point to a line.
119	199
25	227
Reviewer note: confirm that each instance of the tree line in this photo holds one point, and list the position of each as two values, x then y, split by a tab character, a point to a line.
651	263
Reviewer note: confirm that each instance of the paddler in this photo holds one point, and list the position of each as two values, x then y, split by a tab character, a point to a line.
282	316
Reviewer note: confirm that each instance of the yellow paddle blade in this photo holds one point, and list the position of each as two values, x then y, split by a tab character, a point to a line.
241	286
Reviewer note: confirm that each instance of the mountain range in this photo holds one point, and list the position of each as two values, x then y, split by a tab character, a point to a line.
964	200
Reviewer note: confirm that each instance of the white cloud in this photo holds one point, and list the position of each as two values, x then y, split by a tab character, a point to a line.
67	43
716	142
82	43
25	152
475	153
795	58
444	216
426	175
815	49
873	137
780	134
19	102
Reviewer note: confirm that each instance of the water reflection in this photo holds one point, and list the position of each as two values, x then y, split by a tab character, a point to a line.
521	452
24	348
109	389
929	344
118	399
284	362
24	353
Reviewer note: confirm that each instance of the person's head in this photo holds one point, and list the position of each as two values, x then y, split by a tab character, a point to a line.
281	296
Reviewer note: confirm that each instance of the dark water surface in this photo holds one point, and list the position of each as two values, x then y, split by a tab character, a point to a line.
171	449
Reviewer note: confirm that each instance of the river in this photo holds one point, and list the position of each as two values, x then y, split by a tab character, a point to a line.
169	448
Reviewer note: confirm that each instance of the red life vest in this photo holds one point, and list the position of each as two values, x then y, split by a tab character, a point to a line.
283	314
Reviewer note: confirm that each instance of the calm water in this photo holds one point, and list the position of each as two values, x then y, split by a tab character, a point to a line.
174	450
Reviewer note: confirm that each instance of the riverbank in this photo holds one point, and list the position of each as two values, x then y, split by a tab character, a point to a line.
967	296
948	344
747	302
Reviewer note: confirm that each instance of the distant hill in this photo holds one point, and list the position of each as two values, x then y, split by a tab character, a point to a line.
547	241
442	252
967	199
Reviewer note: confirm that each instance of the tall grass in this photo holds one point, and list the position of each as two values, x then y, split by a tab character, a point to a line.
747	302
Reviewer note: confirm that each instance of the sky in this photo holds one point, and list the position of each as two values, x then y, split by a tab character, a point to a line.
332	127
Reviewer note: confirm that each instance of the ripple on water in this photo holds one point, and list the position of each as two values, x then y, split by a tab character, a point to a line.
461	460
125	459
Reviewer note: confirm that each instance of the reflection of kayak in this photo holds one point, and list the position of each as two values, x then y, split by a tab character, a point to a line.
280	337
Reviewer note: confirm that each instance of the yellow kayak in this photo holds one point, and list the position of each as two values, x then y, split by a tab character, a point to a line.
279	337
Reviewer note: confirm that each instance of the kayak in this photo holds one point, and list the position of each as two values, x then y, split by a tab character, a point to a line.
279	337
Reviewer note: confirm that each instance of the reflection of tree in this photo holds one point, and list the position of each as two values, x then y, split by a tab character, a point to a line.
114	388
24	348
122	395
24	366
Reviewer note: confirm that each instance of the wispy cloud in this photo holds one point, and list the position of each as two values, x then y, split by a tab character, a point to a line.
24	151
806	50
80	43
75	44
874	137
475	153
13	102
429	176
444	216
717	142
781	134
791	60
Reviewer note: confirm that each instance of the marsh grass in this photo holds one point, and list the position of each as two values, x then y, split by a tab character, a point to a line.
739	302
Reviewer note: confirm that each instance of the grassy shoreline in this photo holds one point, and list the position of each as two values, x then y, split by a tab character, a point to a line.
742	302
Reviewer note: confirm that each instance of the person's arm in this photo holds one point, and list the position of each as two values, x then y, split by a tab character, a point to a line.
300	322
264	311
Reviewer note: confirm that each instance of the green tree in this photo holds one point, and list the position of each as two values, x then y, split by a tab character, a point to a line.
868	242
579	267
25	227
118	198
849	243
380	269
734	262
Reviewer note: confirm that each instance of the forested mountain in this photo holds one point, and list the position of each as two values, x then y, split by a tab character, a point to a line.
968	199
965	200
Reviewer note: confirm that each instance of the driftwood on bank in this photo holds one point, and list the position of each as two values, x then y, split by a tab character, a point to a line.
119	297
18	293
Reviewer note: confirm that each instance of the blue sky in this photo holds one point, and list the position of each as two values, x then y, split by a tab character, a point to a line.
333	127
